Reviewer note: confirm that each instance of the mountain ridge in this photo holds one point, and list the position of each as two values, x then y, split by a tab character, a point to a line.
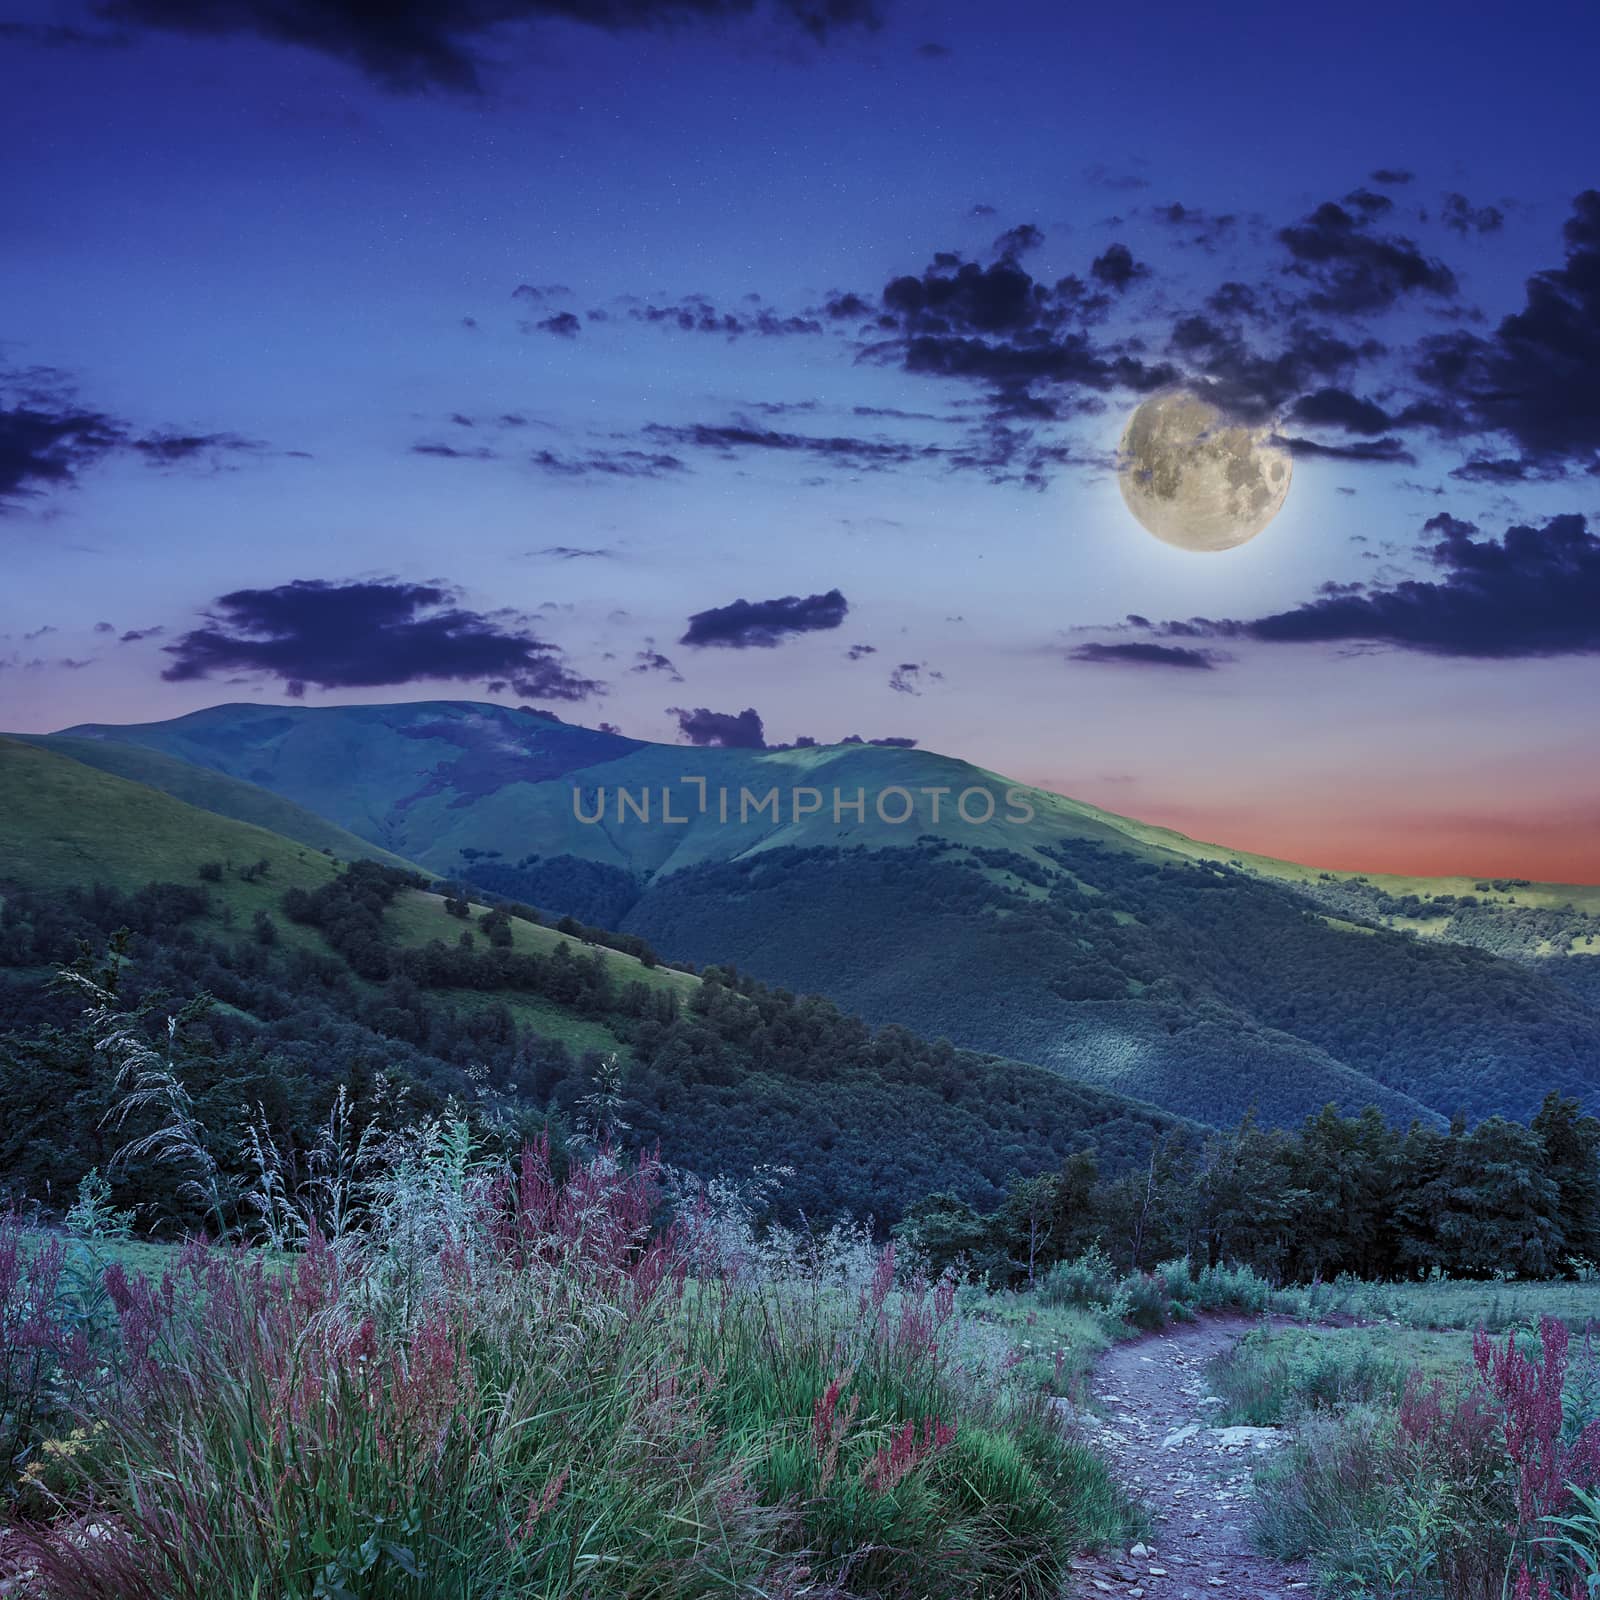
1206	980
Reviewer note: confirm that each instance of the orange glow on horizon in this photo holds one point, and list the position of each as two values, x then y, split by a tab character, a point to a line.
1369	839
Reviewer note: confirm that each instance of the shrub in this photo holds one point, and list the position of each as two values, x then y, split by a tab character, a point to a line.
1239	1288
49	1344
1145	1301
1091	1280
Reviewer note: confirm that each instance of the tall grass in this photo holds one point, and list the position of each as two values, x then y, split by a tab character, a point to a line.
1271	1377
1479	1484
508	1383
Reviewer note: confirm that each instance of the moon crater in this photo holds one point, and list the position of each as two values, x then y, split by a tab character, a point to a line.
1197	480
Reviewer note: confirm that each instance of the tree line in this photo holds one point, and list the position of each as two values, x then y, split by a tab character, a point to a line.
1339	1194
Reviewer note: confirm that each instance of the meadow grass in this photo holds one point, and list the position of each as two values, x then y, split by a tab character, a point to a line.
417	916
1426	1464
513	1384
1469	1305
508	1384
93	1255
1276	1374
547	1018
1056	1346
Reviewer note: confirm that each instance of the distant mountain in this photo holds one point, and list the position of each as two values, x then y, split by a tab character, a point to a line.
1002	917
326	974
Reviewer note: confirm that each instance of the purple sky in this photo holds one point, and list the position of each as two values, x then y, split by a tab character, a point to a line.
640	367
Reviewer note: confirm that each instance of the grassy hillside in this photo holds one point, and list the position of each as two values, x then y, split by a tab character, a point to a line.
216	792
325	973
63	823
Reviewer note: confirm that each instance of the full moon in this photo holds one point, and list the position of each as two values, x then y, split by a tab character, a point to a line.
1197	480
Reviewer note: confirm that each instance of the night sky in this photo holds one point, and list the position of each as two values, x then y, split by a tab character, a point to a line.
739	372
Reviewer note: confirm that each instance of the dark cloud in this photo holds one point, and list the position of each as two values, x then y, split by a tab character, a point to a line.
422	45
933	51
367	635
726	730
896	414
840	306
859	652
784	408
451	452
1116	268
1391	175
564	324
1367	204
169	448
1536	592
1255	384
1353	270
48	439
1018	241
982	209
762	624
1148	655
1536	379
1461	216
1039	351
1496	469
1292	350
843	450
136	635
1003	452
1208	229
961	297
1338	408
45	447
1234	299
1026	340
909	677
696	314
653	661
625	463
572	552
889	742
1388	449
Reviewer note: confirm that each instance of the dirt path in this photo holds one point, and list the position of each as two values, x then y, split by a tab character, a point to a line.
1194	1477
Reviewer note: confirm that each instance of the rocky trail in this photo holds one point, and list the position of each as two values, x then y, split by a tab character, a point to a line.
1193	1475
